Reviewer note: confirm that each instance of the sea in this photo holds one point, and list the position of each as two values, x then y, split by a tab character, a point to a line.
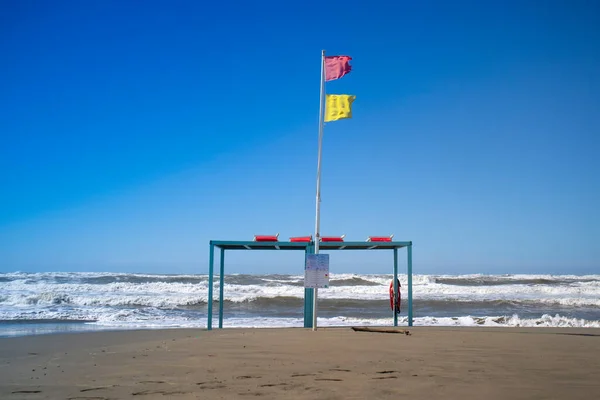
59	302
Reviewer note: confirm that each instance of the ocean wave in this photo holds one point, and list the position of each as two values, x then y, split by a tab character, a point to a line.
280	298
102	278
148	316
545	321
80	296
48	298
149	300
99	278
495	280
162	294
353	281
135	318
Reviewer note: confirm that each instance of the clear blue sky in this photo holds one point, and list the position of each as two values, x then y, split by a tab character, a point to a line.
135	132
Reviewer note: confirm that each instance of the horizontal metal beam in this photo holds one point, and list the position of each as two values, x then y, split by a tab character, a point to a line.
252	245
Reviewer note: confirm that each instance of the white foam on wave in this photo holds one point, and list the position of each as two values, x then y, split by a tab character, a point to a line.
26	293
155	294
547	321
49	276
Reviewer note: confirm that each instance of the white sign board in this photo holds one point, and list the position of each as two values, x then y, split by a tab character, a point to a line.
316	271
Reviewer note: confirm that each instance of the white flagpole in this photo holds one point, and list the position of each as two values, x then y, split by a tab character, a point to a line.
318	212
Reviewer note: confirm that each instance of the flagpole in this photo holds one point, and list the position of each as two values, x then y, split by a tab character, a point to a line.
318	200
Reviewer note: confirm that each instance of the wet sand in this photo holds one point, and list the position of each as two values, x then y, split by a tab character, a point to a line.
331	363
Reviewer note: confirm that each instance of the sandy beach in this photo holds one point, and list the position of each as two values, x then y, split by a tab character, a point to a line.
331	363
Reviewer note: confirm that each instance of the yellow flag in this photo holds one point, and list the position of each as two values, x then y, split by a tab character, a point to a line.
338	106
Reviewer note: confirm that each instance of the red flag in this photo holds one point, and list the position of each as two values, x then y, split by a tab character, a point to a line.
336	67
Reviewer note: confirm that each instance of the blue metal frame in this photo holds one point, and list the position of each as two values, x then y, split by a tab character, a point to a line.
395	284
210	285
221	287
309	248
409	276
309	294
250	245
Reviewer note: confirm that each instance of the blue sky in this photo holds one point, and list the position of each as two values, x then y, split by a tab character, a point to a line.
133	134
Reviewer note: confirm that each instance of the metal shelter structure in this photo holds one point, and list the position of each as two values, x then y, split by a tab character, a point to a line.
308	248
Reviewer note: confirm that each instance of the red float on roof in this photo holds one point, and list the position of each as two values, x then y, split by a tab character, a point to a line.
301	239
380	238
266	238
332	238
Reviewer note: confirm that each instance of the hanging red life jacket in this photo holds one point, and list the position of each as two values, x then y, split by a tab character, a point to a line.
395	301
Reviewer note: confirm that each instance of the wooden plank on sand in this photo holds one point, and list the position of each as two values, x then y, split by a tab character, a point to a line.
380	330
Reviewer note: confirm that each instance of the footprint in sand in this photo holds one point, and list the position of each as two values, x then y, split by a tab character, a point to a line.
88	398
247	377
27	391
386	372
273	384
163	392
97	388
210	385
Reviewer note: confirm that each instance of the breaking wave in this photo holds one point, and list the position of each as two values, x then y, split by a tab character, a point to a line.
278	300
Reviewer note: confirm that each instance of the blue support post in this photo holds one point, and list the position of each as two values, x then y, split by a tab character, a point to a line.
221	284
308	311
410	302
210	285
396	288
308	294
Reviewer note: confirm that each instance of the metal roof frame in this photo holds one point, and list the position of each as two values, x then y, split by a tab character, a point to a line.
253	245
